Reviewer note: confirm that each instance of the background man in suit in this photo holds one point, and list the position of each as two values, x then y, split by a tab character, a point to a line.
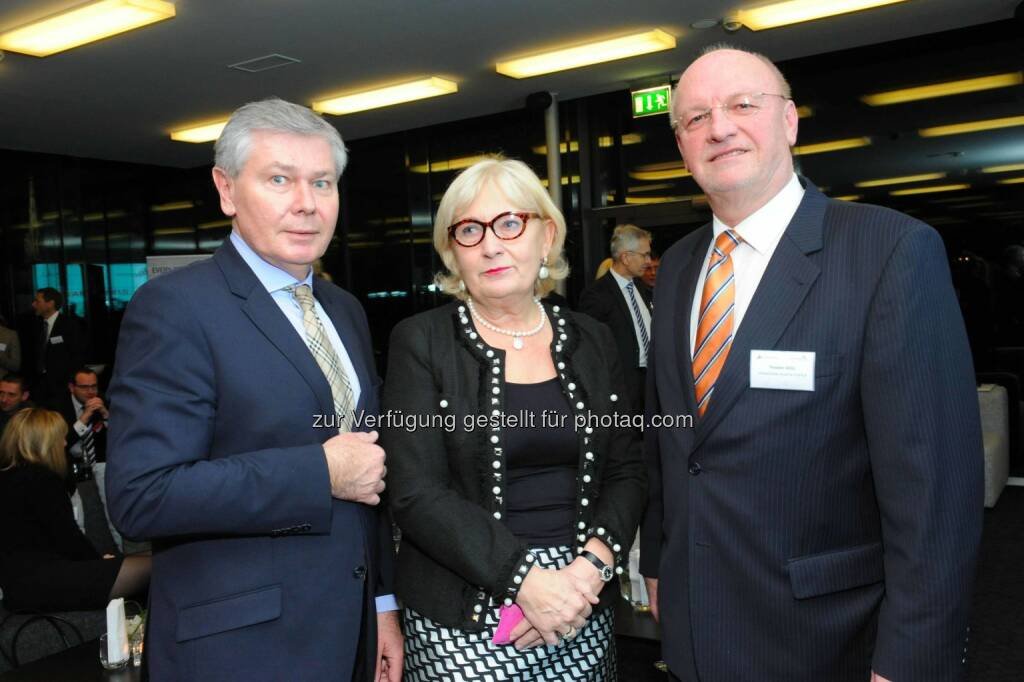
269	559
621	300
60	348
821	520
14	395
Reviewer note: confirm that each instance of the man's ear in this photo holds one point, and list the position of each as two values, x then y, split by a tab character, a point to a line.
225	188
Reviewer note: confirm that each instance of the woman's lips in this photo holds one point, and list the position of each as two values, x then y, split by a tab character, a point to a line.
496	271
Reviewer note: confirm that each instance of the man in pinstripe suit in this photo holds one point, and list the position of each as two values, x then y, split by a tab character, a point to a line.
821	520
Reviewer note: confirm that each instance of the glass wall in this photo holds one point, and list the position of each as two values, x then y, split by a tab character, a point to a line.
87	226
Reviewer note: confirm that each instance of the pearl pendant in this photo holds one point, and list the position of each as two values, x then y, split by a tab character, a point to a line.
517	342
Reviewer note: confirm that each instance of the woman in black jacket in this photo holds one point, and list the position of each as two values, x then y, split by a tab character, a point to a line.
515	472
47	564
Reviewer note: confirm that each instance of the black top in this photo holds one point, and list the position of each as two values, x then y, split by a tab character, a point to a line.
542	465
37	523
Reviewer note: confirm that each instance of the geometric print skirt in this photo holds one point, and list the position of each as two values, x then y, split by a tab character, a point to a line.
434	652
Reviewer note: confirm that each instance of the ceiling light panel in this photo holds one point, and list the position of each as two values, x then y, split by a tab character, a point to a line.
386	96
585	55
797	11
84	24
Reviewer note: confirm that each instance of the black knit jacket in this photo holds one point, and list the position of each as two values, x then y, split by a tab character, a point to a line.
446	485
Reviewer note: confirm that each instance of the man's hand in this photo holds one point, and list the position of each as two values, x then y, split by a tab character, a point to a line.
389	648
92	405
356	466
652	596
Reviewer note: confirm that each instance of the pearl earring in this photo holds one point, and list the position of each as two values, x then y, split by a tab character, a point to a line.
544	272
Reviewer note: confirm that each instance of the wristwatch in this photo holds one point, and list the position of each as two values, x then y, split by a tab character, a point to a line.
604	569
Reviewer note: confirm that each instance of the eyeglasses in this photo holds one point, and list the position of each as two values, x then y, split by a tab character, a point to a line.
507	226
742	105
644	255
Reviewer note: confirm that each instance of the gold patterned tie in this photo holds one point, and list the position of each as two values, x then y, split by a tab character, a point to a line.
715	321
323	352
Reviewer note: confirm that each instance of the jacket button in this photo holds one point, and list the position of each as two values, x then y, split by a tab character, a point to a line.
695	469
359	573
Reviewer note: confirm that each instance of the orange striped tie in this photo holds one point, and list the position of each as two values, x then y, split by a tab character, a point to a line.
715	321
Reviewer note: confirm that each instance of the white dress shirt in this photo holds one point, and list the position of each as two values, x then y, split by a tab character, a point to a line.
644	312
760	232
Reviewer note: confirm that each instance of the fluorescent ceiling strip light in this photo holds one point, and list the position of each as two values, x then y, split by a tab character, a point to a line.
84	24
1011	181
928	190
207	132
588	54
386	97
797	11
1003	80
972	126
849	197
1010	167
900	180
832	146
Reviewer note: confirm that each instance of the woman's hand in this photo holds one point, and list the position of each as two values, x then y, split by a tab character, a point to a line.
554	602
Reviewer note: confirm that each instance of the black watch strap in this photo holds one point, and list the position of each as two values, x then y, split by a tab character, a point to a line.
606	571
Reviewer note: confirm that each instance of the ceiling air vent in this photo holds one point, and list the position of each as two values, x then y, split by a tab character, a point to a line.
265	63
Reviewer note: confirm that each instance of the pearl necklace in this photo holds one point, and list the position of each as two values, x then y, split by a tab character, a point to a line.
517	336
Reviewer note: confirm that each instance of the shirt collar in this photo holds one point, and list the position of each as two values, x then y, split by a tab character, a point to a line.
763	228
622	281
270	276
49	320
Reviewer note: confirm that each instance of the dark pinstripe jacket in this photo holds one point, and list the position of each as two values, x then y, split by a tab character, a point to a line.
816	535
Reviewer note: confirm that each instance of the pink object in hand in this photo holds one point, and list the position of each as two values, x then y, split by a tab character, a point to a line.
508	619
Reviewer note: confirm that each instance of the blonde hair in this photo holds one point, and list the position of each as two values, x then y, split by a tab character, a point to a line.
603	268
523	188
35	436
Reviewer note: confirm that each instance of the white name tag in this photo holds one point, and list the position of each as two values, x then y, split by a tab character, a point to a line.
782	369
56	339
3	347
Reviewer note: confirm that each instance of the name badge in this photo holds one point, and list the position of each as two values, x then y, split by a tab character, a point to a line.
782	370
56	339
3	347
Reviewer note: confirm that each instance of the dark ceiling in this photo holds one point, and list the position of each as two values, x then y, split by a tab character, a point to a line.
118	99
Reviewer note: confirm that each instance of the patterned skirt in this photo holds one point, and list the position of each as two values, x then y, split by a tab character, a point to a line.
434	652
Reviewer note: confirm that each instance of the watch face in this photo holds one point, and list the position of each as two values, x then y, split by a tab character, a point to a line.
606	573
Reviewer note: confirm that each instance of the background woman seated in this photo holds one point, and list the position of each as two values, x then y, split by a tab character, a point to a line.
48	564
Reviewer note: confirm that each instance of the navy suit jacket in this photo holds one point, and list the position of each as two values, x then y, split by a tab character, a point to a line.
214	455
603	301
815	535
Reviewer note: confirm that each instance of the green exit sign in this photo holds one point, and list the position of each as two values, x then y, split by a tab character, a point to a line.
651	101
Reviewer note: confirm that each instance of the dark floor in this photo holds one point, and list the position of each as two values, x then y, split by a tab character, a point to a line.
996	647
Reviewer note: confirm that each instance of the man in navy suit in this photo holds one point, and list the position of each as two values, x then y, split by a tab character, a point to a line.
622	301
821	519
231	377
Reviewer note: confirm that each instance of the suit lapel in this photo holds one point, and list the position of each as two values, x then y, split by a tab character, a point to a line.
783	287
260	307
687	288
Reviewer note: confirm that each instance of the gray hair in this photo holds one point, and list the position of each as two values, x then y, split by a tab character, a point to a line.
784	87
277	115
626	238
